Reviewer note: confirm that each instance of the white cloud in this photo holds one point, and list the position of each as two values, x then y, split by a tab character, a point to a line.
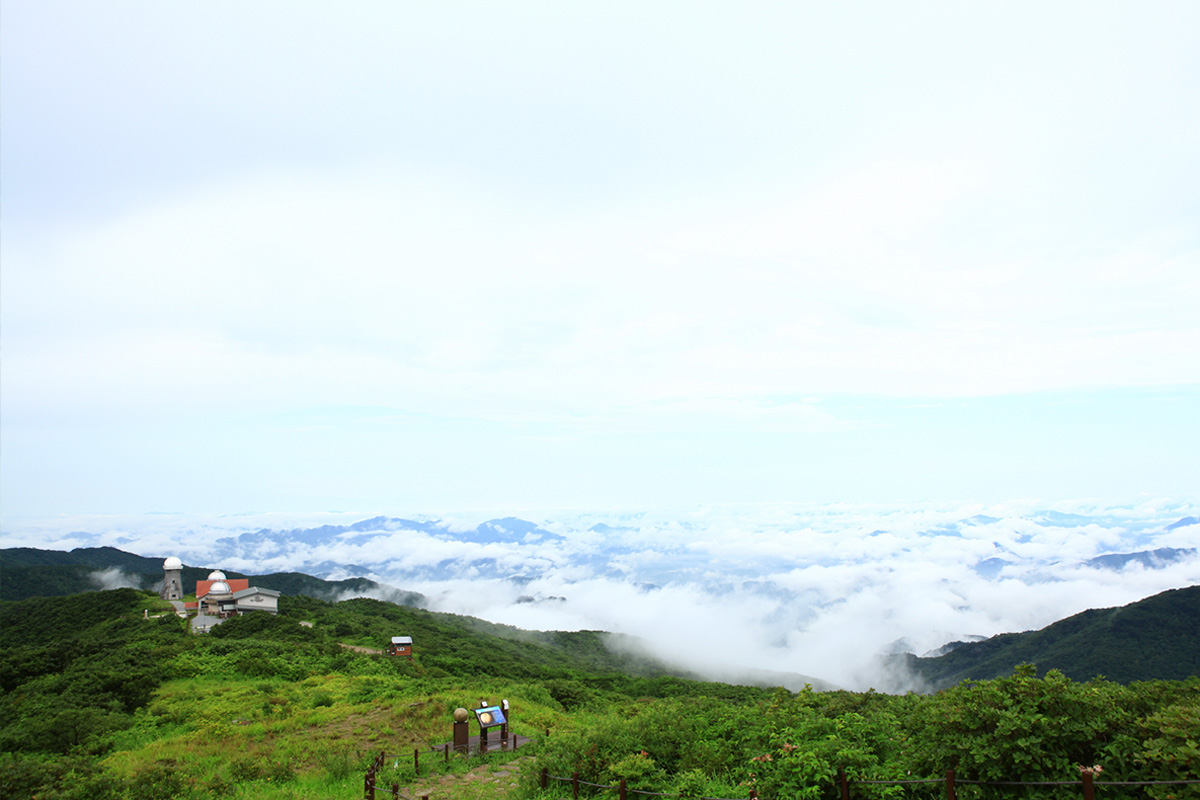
379	287
116	578
818	590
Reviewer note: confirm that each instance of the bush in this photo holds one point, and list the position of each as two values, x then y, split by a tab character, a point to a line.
1021	728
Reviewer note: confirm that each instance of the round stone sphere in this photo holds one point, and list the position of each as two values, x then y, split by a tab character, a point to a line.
461	714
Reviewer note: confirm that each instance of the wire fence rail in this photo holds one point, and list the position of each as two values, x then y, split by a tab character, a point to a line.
1087	784
441	755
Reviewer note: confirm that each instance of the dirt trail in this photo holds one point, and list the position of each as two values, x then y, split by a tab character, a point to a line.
487	780
368	650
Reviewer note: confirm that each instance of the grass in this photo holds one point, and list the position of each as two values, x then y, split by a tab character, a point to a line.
313	738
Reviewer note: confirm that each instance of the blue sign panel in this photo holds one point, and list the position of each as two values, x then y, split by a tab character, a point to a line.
490	716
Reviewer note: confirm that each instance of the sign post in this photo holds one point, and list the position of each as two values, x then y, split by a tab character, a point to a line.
489	717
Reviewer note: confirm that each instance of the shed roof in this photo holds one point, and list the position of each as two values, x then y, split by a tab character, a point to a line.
254	590
401	640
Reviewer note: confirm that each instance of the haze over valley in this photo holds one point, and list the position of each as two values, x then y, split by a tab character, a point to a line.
820	591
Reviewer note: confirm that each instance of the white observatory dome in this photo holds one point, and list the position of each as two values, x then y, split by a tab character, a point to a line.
172	563
216	575
220	587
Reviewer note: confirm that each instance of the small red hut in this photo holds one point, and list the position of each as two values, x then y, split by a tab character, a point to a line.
400	646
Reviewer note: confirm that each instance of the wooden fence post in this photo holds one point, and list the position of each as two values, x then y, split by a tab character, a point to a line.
447	749
950	793
621	790
369	786
1089	789
844	785
416	761
545	777
575	785
395	791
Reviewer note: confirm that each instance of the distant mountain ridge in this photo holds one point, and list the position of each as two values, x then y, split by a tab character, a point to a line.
1151	559
1157	638
397	550
99	557
507	529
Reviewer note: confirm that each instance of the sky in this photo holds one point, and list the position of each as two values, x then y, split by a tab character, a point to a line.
423	258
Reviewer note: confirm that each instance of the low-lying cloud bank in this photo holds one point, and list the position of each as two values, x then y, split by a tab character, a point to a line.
811	590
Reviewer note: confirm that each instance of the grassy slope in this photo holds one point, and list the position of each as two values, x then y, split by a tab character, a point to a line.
266	707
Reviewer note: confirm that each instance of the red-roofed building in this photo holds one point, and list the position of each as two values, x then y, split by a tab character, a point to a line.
223	597
231	585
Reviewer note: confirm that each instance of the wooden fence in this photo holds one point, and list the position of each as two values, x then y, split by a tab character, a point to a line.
442	753
1087	784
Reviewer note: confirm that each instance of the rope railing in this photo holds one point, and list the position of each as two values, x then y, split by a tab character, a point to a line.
622	790
1086	782
843	783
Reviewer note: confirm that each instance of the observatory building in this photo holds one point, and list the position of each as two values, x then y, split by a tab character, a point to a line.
172	586
218	597
226	597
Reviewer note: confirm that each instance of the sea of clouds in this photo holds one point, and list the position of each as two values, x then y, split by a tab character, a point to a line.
809	590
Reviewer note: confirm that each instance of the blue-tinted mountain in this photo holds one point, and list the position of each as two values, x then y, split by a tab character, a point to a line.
508	529
1150	559
1062	520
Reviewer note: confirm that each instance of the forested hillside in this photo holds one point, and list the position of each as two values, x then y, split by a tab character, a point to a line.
1155	638
29	572
104	699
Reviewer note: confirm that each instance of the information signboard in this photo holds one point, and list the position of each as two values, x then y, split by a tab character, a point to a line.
490	716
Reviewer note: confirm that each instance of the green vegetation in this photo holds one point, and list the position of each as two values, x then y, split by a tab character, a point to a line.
1156	638
30	572
106	696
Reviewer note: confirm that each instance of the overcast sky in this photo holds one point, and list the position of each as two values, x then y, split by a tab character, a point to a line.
425	257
